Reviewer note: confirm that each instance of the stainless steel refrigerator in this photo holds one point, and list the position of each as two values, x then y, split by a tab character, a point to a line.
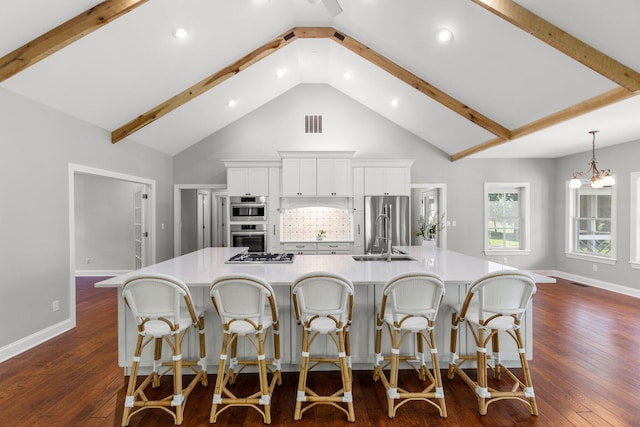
377	211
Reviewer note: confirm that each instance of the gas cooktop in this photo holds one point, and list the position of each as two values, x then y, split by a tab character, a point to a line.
260	258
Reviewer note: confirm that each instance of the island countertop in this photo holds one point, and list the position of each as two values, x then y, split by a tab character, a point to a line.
202	267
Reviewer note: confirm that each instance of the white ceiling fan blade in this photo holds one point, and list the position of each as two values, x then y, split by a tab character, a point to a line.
333	7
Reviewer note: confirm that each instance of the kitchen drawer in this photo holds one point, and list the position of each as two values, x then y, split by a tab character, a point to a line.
339	247
301	248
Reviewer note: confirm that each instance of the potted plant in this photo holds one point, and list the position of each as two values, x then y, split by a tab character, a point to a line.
321	234
427	229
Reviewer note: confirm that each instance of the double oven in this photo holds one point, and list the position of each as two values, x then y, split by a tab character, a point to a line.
248	227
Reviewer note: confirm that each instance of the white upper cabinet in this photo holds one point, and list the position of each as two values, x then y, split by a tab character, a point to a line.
248	181
386	181
274	189
298	177
333	177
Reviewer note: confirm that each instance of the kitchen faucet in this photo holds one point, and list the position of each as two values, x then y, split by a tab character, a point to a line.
387	231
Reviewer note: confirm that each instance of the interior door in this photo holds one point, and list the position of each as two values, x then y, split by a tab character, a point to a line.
204	219
140	222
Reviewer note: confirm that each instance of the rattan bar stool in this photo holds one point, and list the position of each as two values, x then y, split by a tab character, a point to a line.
164	312
494	303
409	306
323	303
247	308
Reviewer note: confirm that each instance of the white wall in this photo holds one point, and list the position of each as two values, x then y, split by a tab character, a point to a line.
348	125
104	224
37	145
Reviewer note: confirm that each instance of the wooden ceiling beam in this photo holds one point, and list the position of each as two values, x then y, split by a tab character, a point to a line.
281	41
421	85
63	35
206	84
564	42
607	98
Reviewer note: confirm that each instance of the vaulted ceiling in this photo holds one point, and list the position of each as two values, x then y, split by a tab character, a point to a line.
519	78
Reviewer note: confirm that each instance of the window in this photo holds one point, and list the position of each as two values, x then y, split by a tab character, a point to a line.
506	218
591	227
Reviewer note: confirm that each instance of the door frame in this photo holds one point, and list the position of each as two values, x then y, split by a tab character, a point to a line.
442	202
87	170
177	209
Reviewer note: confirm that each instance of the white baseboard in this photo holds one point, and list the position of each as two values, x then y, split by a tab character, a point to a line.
613	287
101	272
33	340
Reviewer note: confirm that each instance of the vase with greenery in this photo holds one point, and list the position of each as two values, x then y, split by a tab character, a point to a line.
428	227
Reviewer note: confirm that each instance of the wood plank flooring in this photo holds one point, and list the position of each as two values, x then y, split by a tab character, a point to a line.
585	373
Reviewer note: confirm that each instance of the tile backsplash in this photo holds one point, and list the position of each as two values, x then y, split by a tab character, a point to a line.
302	224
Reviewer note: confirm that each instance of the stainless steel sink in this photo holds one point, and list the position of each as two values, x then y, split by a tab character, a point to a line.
379	257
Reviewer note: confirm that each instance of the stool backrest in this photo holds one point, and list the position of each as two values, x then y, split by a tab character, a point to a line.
243	297
413	294
323	294
505	292
152	296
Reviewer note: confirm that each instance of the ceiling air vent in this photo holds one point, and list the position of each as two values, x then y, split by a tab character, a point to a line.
313	123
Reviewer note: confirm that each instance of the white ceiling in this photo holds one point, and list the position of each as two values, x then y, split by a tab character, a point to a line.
131	65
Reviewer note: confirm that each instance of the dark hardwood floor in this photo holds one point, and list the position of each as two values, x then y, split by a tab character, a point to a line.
585	372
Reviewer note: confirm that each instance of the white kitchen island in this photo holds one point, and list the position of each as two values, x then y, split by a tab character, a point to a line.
199	269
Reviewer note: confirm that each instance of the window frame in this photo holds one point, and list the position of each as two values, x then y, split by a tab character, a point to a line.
570	237
523	189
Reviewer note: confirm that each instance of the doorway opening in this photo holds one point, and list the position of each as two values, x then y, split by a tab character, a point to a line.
200	213
111	224
429	201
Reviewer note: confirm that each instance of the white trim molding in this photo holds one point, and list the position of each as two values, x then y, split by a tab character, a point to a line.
33	340
608	286
634	221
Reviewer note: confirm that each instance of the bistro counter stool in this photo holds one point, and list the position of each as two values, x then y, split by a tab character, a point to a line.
323	302
247	308
410	303
494	303
164	312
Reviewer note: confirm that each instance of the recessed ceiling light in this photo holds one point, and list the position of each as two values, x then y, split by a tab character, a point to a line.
180	33
281	72
445	35
395	102
347	74
232	103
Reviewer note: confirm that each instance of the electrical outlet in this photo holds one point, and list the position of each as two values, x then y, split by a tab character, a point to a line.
55	306
505	260
88	260
595	267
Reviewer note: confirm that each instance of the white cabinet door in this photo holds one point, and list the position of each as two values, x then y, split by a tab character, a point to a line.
273	236
274	189
258	180
397	181
358	189
248	181
298	177
333	177
386	181
358	232
362	330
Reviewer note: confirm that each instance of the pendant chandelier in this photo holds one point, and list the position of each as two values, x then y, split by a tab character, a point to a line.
599	178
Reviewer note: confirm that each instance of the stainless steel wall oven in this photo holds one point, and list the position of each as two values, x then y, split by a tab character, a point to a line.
253	236
248	208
